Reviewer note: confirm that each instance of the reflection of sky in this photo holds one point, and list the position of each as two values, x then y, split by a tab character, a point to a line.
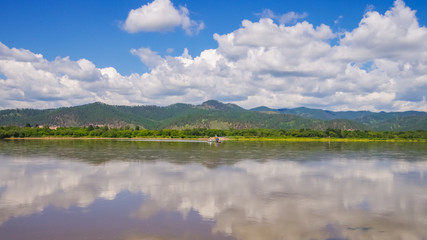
333	198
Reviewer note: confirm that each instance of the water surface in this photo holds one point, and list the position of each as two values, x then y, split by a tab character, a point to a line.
112	189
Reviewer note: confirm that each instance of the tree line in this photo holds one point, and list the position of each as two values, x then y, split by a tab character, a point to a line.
136	132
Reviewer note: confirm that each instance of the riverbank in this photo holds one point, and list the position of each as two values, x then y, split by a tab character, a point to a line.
110	138
301	135
308	139
224	139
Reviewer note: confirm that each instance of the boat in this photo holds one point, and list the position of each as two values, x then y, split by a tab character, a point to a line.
215	139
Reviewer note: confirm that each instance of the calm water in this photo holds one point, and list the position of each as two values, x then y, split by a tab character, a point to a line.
135	190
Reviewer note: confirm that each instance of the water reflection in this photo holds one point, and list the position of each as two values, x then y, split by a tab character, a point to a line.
236	190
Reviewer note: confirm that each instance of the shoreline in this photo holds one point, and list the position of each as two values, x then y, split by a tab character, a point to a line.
303	139
107	138
232	139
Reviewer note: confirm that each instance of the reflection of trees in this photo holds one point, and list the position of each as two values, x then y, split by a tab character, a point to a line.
100	151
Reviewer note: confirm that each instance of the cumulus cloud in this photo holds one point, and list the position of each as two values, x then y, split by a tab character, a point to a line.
380	65
149	58
160	16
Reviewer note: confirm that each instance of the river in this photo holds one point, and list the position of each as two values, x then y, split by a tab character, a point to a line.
139	190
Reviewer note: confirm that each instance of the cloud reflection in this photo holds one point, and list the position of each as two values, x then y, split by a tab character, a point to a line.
334	198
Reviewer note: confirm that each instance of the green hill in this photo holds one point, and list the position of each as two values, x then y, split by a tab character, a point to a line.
381	121
211	114
324	114
405	123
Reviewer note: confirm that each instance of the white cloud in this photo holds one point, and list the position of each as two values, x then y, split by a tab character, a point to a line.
336	21
396	36
148	57
290	17
380	65
160	16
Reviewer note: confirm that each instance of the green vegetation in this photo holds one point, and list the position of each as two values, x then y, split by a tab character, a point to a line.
213	115
236	134
378	121
360	116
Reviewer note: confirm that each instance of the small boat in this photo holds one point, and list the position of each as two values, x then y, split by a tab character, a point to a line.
214	140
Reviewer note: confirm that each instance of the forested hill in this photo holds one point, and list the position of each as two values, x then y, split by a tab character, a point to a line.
381	121
211	114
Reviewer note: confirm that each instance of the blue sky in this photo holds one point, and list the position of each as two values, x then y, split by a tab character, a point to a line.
95	31
91	29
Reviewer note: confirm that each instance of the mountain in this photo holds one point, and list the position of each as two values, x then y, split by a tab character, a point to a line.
323	114
406	123
381	121
217	105
212	114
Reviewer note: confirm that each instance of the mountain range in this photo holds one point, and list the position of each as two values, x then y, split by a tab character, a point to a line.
213	114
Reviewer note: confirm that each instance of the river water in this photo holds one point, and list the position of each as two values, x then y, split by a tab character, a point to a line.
138	190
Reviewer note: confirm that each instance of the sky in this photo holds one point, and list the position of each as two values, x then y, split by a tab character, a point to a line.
332	54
